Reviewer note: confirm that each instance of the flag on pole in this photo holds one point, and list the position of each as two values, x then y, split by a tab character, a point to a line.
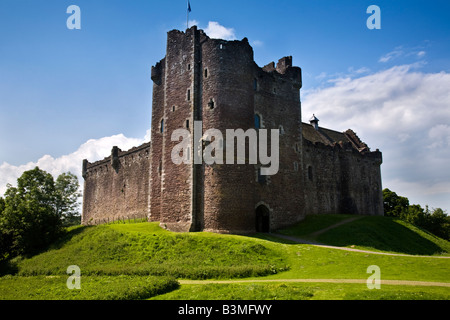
187	15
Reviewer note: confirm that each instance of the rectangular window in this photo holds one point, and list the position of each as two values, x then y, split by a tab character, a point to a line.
189	95
261	178
310	173
187	124
257	121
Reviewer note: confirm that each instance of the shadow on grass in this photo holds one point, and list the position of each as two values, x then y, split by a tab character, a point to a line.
369	232
10	266
382	233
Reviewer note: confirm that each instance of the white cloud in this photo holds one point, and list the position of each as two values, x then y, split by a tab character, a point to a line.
321	76
257	43
217	31
402	52
404	113
92	150
358	71
397	52
192	23
420	54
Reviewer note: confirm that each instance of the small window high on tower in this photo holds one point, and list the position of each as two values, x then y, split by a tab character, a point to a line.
257	121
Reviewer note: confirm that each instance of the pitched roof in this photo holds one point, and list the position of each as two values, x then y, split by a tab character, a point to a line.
331	137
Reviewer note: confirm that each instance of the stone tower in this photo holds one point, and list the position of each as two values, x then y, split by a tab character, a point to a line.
218	83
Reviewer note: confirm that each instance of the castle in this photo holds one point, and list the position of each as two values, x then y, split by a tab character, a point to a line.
218	83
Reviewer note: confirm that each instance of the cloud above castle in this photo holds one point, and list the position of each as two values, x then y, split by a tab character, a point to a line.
93	150
403	111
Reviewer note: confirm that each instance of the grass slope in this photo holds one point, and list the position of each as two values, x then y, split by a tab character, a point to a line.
146	249
371	232
141	260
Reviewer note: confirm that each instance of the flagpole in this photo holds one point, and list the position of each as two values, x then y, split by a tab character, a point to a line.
187	15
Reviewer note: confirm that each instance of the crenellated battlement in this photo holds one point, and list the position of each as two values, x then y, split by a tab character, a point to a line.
116	158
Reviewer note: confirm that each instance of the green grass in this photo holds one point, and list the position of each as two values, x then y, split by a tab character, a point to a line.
311	262
92	288
373	233
303	291
126	261
313	223
147	249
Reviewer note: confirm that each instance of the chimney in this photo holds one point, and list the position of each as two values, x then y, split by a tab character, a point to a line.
314	122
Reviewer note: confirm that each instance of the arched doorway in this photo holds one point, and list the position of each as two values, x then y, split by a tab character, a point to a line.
262	219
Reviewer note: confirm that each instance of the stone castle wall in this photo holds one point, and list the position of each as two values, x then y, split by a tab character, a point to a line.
116	186
340	179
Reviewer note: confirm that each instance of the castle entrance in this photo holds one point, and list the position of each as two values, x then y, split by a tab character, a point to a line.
262	221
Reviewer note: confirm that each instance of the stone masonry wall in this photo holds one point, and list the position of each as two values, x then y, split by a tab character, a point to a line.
277	103
116	186
341	180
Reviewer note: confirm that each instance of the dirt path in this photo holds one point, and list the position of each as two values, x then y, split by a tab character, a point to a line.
304	241
362	281
317	233
318	244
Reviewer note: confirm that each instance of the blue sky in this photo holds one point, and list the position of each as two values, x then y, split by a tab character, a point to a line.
67	94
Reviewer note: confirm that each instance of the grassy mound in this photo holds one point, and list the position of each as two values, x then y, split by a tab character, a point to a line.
146	249
370	232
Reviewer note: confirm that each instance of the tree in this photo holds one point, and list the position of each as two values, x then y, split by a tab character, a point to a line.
67	194
394	205
30	220
4	242
415	215
34	212
436	222
439	223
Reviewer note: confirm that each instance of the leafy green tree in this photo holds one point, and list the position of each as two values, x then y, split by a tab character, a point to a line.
29	220
394	205
67	194
32	215
4	241
436	222
439	223
416	215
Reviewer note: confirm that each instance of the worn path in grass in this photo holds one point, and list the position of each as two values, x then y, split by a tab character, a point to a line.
304	241
315	243
386	282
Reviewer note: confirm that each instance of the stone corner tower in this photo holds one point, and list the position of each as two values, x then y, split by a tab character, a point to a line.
218	83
